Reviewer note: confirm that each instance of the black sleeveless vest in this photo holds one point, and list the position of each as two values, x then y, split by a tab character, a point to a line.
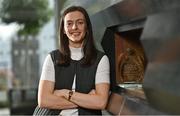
85	78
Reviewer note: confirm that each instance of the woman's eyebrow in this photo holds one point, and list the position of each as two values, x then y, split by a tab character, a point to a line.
69	21
75	20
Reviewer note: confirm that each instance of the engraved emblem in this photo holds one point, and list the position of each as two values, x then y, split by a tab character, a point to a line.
131	66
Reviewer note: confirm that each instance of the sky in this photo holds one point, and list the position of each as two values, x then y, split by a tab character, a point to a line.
7	31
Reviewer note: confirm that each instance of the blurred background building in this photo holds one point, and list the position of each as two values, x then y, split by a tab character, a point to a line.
21	60
25	61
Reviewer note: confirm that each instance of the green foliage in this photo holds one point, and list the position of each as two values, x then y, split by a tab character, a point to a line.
33	14
3	81
4	104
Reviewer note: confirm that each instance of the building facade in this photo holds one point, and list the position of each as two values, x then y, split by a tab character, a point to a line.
25	61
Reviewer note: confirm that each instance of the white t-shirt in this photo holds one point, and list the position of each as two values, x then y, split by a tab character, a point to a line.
102	73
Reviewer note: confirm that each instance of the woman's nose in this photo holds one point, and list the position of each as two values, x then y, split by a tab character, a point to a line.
74	26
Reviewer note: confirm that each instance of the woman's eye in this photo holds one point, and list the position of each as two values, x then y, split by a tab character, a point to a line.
81	22
68	24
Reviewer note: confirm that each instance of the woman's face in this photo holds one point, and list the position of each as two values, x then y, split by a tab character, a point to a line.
75	28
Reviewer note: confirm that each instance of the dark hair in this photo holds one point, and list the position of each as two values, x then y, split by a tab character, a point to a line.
88	44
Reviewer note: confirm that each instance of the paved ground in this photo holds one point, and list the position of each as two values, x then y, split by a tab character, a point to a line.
4	112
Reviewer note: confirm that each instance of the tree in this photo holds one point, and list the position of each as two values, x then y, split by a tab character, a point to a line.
33	14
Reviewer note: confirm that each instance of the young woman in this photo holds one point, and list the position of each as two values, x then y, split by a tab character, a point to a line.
75	78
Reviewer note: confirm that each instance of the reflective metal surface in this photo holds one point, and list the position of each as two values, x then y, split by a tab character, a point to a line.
161	39
161	42
126	13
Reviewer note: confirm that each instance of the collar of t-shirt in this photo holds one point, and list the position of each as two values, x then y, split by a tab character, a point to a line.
76	53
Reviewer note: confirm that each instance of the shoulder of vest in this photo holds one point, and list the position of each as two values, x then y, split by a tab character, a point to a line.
54	51
100	53
54	54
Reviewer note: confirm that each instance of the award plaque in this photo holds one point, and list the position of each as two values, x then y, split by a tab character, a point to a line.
131	67
130	57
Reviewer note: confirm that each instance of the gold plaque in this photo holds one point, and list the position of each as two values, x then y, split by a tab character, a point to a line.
130	66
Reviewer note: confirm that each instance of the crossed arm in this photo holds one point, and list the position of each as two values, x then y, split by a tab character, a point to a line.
58	99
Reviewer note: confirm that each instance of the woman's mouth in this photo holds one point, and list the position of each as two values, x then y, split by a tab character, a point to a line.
76	33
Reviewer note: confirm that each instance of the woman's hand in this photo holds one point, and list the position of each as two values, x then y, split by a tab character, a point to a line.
92	92
62	93
53	99
96	99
